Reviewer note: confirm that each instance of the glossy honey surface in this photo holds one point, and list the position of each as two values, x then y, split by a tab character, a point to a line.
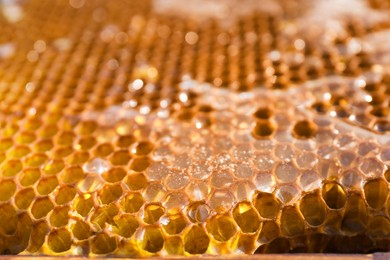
178	128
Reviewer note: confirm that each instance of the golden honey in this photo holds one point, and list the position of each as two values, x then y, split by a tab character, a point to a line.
179	128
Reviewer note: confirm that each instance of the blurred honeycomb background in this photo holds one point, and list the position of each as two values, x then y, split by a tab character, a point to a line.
158	128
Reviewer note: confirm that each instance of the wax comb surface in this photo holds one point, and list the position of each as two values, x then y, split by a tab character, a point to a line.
142	128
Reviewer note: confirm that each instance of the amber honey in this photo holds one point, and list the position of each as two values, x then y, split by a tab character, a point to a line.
157	128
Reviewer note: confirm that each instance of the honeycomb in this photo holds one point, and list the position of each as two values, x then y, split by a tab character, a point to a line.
158	128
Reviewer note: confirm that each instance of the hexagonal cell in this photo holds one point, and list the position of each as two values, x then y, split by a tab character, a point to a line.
121	157
47	185
110	192
139	164
355	216
196	240
11	167
246	217
115	174
221	227
59	240
65	194
80	229
152	239
131	202
267	205
9	220
263	130
313	209
173	223
103	215
102	243
376	192
83	204
7	189
269	232
334	195
59	216
127	224
153	212
304	129
39	231
41	207
24	198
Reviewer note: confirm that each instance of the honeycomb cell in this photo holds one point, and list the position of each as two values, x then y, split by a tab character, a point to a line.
110	192
7	189
153	212
64	138
25	137
221	227
198	212
304	129
125	141
152	239
139	164
78	157
65	194
19	151
174	245
142	148
41	207
313	209
334	195
53	167
104	215
121	157
132	202
291	222
86	127
269	232
8	220
263	113
115	174
46	185
5	144
267	205
11	167
356	215
83	204
43	145
72	174
127	224
24	198
103	150
29	176
246	217
102	243
136	181
173	223
85	143
263	130
286	172
35	160
39	231
80	229
196	240
59	240
59	216
376	192
62	152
